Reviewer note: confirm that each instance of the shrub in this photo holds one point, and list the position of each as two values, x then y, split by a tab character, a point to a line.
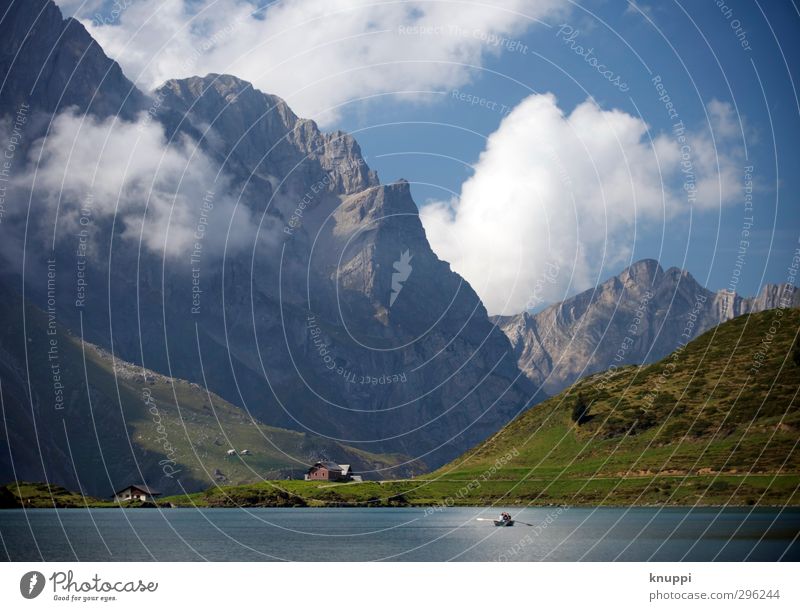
580	413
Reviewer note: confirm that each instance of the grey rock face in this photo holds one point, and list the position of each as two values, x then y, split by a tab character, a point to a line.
639	316
314	322
260	138
334	318
51	63
772	296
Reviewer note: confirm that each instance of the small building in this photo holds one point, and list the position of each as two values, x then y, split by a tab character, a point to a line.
136	492
329	471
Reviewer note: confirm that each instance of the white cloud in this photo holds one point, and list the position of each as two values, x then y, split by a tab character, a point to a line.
120	168
638	8
568	190
316	54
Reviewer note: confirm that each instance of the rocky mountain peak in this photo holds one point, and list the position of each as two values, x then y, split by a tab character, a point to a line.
259	137
376	203
220	90
644	273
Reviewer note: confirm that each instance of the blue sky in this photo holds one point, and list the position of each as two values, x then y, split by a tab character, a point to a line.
406	95
699	61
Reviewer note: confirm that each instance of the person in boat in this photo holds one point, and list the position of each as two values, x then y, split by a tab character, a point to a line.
505	517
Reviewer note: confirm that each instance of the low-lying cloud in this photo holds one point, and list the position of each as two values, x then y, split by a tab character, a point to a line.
164	194
556	191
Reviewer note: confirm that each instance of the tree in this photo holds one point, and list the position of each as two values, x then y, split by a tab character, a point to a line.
580	413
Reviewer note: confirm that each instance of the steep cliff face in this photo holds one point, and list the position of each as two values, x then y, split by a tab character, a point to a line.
639	316
771	296
341	315
326	311
50	63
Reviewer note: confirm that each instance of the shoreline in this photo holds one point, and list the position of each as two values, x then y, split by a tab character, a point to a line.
434	508
700	491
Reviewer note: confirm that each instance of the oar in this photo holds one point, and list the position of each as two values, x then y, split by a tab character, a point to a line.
514	519
497	520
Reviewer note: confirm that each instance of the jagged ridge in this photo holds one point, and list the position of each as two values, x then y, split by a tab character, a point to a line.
638	316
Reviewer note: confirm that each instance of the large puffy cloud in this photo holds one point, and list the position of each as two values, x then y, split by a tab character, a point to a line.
164	194
554	197
316	54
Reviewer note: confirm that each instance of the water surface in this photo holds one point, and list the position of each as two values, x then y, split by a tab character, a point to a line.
399	534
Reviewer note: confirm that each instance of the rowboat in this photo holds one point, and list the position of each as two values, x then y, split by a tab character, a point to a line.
509	522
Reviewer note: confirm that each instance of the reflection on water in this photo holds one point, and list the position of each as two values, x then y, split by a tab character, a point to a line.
400	534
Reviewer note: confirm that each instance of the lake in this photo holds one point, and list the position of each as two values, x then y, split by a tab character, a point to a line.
400	534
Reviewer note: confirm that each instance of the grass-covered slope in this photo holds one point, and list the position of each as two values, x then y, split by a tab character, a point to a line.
113	423
716	422
37	495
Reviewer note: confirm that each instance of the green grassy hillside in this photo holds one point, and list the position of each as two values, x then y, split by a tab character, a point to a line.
118	424
45	496
716	422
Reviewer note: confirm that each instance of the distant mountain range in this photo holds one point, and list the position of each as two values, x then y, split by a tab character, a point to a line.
638	316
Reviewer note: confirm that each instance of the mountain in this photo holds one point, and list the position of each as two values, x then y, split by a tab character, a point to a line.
313	300
637	317
76	415
311	318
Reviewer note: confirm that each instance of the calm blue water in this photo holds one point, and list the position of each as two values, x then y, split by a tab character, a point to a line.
399	534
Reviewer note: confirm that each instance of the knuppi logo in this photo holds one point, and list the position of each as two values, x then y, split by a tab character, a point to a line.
31	584
402	271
